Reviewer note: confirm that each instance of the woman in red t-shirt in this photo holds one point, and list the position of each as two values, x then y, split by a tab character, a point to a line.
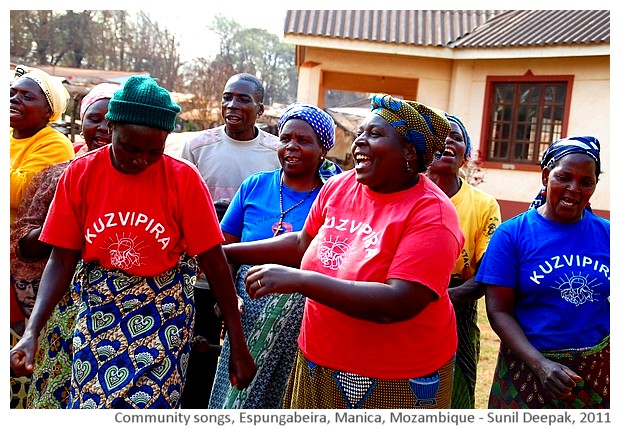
133	225
51	378
375	258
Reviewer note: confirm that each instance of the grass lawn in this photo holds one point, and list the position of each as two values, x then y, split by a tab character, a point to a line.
488	355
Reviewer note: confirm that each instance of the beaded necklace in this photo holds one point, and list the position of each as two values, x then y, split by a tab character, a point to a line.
279	229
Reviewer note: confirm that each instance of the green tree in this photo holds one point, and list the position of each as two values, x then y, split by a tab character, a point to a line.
132	41
241	49
33	36
106	39
72	28
261	53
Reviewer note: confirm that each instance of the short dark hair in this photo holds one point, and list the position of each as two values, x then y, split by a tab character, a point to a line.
260	89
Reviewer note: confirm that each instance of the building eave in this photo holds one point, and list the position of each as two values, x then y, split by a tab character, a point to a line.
489	53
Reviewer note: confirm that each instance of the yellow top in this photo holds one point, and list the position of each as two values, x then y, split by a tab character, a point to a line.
33	154
479	215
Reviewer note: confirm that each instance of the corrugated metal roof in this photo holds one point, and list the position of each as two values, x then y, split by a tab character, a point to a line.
541	27
416	27
454	28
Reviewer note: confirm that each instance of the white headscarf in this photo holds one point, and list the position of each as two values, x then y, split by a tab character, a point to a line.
55	92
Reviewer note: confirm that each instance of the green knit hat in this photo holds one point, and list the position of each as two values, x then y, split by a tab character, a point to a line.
142	102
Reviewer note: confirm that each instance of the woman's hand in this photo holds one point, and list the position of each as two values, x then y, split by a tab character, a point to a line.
22	356
241	367
558	380
240	306
262	280
202	345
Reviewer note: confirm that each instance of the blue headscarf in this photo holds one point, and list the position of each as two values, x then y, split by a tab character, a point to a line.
567	146
466	139
321	122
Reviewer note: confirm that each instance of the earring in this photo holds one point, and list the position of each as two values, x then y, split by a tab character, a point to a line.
543	192
408	169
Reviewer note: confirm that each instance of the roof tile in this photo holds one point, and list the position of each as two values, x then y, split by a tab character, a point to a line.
454	28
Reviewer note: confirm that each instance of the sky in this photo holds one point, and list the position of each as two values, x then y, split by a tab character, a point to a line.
196	40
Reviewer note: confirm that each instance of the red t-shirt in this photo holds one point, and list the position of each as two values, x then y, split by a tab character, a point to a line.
361	235
138	223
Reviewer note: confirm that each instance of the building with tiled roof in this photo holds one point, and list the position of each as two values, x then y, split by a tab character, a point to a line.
519	79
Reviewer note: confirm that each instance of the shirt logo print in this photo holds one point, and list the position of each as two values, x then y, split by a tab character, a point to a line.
124	253
577	289
333	253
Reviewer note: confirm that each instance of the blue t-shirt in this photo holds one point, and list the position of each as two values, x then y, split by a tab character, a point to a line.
254	211
560	273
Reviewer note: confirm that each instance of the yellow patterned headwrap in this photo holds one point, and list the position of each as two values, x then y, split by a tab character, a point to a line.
55	92
425	127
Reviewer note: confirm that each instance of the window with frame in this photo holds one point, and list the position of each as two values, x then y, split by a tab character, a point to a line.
525	117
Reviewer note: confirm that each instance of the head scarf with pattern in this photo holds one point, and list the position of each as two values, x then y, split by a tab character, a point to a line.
425	127
455	120
586	145
321	122
55	92
98	92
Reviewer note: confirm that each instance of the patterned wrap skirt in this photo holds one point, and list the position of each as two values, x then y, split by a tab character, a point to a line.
271	327
515	386
51	379
314	386
132	337
467	355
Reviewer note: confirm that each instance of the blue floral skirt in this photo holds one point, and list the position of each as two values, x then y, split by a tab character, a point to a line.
132	337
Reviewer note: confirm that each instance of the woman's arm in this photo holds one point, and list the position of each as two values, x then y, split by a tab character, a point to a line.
31	248
228	239
31	215
286	249
557	379
393	301
54	283
468	291
242	367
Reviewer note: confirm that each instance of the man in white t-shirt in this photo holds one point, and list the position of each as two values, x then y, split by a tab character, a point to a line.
225	156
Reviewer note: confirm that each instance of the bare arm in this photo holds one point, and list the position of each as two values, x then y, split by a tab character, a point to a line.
228	239
286	249
556	378
393	301
31	247
241	364
54	284
469	290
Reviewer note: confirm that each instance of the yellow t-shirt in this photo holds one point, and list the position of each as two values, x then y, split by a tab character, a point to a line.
479	216
33	154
